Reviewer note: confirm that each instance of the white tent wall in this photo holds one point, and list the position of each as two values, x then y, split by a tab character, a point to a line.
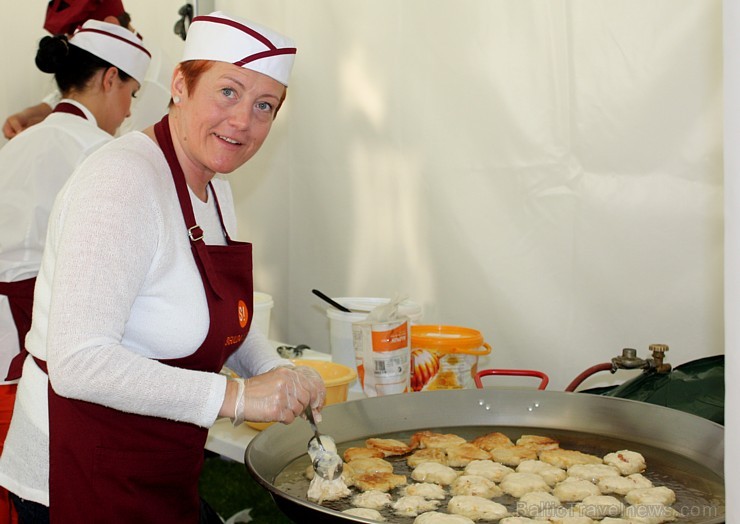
549	173
22	84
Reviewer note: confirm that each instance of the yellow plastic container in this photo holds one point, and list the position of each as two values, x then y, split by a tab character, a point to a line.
336	377
445	357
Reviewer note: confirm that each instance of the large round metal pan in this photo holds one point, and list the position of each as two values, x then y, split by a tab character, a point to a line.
695	440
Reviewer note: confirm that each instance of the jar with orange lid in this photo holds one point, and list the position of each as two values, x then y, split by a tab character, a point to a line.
445	357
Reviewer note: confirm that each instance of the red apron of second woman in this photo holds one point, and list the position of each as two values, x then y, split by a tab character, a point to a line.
109	466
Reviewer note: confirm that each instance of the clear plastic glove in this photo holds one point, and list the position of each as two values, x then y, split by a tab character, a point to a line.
281	395
315	384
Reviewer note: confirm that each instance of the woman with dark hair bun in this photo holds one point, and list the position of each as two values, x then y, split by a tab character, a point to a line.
71	66
98	71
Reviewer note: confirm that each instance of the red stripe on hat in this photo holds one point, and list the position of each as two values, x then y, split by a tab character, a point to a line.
266	54
236	25
106	33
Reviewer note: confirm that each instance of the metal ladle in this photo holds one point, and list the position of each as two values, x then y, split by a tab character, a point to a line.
326	464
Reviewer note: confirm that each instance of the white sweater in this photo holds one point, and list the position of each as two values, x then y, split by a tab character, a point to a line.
118	287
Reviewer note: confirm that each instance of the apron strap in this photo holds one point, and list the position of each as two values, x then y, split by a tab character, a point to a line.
20	299
195	233
66	107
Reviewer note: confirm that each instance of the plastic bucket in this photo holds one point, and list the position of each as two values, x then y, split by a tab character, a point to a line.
340	323
262	309
445	357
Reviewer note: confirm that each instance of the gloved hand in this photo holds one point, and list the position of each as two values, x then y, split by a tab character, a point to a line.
280	395
315	384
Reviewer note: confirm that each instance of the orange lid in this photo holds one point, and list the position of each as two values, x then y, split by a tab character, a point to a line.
449	339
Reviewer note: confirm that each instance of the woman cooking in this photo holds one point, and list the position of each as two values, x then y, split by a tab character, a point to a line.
98	71
143	296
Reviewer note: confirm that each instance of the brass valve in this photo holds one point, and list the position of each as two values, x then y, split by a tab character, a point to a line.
659	351
629	360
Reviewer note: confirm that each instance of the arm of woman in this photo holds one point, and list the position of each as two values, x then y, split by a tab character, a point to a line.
255	356
105	257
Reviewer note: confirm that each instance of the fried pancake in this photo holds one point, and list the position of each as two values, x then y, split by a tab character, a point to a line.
476	508
321	489
599	506
551	474
372	499
575	490
623	485
489	469
463	454
351	454
627	462
389	447
537	442
412	505
370	465
427	455
428	490
592	472
378	481
429	439
434	472
513	455
565	458
651	496
492	441
475	485
517	484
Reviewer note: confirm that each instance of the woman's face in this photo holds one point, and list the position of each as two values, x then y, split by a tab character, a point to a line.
118	103
223	122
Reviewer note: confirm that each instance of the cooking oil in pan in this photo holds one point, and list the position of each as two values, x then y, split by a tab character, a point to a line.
699	491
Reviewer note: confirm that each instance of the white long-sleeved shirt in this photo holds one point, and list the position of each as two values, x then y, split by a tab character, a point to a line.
118	287
33	168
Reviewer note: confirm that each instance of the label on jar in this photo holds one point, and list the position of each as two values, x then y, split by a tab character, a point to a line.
383	356
432	370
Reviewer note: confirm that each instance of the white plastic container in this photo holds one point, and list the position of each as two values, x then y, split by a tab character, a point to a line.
262	309
340	325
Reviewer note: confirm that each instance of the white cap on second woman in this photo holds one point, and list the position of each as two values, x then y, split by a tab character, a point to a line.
226	38
116	45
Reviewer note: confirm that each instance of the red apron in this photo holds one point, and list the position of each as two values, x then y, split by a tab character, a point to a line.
20	294
20	298
115	467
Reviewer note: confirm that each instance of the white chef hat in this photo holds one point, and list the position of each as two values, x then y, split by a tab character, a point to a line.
116	45
226	38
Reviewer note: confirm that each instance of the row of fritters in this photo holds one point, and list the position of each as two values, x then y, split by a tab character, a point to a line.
542	481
